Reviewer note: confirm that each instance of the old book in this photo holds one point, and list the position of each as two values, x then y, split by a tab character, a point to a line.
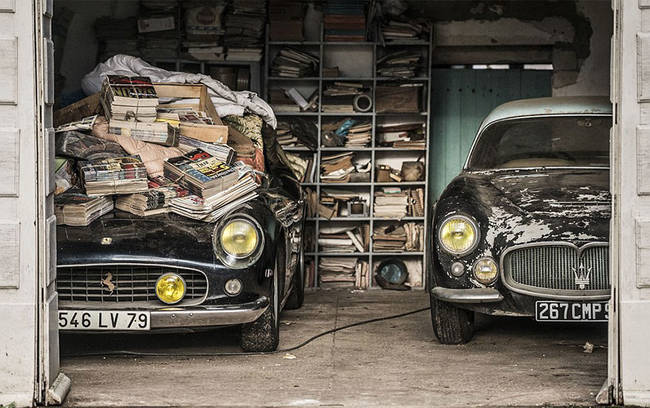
78	209
201	173
123	175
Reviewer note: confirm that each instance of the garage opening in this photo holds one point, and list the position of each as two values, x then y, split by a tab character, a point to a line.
341	106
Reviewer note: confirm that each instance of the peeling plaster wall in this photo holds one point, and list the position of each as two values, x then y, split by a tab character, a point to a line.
593	77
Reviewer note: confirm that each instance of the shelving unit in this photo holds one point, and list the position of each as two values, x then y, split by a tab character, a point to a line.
374	151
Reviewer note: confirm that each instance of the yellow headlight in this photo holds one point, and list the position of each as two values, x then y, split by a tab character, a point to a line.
458	235
170	288
239	238
485	270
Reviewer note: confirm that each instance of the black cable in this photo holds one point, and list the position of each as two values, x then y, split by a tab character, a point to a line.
243	353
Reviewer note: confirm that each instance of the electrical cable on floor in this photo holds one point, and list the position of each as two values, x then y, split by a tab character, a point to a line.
243	353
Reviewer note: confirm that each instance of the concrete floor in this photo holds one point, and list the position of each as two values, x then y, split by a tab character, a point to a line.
389	363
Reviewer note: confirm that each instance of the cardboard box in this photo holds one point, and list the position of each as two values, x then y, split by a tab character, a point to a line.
88	106
217	133
397	99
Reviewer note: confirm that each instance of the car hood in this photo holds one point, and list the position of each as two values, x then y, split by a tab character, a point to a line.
518	207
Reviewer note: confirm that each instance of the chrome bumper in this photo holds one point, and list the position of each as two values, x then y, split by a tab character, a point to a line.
194	316
478	295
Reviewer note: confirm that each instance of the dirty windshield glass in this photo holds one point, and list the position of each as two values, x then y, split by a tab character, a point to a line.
575	141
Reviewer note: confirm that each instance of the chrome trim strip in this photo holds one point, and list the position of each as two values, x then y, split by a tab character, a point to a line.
545	293
477	295
483	126
193	302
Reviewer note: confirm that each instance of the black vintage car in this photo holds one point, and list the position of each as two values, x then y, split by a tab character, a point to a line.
124	272
524	229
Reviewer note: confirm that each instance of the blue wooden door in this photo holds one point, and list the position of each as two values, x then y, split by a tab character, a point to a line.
460	99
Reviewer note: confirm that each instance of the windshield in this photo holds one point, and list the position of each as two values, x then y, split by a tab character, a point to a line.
563	141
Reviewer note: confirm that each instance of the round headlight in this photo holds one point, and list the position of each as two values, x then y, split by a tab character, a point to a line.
458	235
170	288
239	238
485	270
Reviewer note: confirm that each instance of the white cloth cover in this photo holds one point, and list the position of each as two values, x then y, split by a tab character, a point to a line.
226	102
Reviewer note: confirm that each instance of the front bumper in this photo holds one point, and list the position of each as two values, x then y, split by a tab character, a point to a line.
194	316
478	295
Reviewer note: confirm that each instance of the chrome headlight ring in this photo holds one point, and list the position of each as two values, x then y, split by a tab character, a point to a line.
234	261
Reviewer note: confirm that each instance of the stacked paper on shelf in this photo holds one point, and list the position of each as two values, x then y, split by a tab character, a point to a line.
404	31
293	63
124	98
342	239
153	201
407	237
337	168
345	20
337	272
244	22
404	135
75	208
204	30
339	97
157	28
391	202
416	202
359	135
123	175
302	166
399	64
286	20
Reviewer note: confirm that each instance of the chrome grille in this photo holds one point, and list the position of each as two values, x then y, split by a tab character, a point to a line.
133	283
552	268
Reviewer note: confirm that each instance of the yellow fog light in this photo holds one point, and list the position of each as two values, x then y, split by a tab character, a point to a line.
239	238
458	235
170	288
485	270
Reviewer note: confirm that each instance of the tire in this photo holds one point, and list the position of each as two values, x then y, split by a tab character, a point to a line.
264	333
297	296
451	325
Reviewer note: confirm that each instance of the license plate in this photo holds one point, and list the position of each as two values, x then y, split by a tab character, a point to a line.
103	320
554	311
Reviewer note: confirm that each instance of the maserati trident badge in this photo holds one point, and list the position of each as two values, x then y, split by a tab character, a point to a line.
582	276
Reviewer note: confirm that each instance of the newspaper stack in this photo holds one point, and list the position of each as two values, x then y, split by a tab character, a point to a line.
154	201
337	168
214	207
245	22
402	135
161	133
126	98
343	272
391	202
341	240
399	64
359	135
292	63
221	152
77	209
157	29
404	31
123	175
201	173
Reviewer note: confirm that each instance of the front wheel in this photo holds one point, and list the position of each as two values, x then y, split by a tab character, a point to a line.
451	325
263	334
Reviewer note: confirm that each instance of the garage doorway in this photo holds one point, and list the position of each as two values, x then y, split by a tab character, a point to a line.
461	99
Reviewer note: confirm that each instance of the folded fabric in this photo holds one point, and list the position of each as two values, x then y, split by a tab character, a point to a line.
152	155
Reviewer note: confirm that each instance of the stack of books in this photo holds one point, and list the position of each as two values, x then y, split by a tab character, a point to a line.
244	22
210	209
201	173
401	135
204	30
339	97
129	98
345	20
399	64
391	202
221	152
337	168
75	208
404	31
123	175
302	166
153	201
292	63
157	35
161	133
342	240
416	202
343	272
286	20
359	135
407	237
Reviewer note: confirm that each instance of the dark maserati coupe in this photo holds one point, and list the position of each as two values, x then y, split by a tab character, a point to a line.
523	230
128	273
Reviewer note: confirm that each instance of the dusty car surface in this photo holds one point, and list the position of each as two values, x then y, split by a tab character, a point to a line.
127	273
524	229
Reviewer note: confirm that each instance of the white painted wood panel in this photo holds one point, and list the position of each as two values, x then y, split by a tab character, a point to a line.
10	254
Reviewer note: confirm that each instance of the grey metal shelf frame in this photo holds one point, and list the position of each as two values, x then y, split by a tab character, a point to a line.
320	82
